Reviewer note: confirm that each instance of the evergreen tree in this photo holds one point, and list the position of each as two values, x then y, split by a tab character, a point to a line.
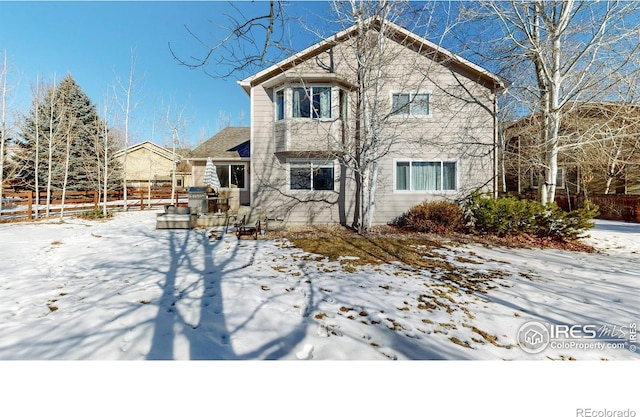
65	116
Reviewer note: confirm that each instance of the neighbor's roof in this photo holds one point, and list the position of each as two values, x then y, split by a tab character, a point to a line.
228	143
151	147
400	34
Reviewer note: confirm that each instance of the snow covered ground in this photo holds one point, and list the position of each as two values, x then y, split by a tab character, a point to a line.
121	290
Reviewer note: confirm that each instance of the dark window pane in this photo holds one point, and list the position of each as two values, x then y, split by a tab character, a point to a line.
280	105
323	178
449	176
301	102
322	102
402	176
400	104
237	175
300	177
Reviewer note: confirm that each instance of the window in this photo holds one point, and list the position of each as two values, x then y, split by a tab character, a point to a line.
410	104
311	102
425	176
279	104
311	175
231	175
559	178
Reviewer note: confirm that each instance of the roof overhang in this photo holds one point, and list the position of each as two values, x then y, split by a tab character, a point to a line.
307	155
218	159
308	77
396	32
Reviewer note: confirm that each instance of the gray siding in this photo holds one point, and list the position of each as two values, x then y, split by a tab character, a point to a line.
460	128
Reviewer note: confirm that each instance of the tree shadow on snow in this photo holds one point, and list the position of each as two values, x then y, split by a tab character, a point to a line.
209	335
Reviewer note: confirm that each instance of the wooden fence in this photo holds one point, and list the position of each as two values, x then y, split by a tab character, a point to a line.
612	206
29	204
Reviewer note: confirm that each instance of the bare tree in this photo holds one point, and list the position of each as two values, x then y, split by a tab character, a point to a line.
126	105
3	124
68	135
250	41
175	122
568	50
52	140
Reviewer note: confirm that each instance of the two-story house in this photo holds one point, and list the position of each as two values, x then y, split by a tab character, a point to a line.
429	113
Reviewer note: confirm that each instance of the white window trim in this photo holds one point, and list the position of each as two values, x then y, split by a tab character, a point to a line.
317	163
246	177
410	190
411	95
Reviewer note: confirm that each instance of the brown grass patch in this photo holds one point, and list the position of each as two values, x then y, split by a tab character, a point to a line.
459	342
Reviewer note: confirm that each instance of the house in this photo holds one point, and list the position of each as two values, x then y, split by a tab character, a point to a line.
599	151
149	164
437	134
229	150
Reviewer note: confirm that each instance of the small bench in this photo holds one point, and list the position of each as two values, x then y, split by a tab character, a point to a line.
242	229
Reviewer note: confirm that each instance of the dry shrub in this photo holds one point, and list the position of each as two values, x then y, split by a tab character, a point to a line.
440	217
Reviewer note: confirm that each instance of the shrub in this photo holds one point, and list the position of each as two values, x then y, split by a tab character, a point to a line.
93	214
435	217
511	216
555	223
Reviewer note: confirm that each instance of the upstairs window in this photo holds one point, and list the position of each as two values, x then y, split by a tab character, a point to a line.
311	175
426	176
311	102
410	104
279	104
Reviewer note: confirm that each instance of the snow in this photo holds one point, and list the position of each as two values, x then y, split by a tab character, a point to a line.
119	290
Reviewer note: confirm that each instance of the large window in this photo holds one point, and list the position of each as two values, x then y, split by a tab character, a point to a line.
311	102
411	104
311	175
426	176
231	175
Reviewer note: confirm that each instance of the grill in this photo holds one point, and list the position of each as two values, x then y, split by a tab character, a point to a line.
198	199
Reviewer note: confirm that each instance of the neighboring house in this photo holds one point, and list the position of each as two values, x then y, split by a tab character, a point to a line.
599	151
439	110
149	164
229	150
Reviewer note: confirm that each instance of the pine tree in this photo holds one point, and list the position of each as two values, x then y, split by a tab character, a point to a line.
67	121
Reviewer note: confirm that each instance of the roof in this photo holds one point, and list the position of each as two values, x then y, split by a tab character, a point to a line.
230	142
396	32
151	147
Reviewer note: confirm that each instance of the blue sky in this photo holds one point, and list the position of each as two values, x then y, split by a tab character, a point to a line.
93	41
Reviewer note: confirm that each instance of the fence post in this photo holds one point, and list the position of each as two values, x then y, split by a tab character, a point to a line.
30	204
95	200
141	199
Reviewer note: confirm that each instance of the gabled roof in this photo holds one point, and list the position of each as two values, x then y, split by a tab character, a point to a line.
230	142
394	31
151	147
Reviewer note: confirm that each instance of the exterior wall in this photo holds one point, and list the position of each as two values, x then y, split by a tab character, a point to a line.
144	165
239	196
460	129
